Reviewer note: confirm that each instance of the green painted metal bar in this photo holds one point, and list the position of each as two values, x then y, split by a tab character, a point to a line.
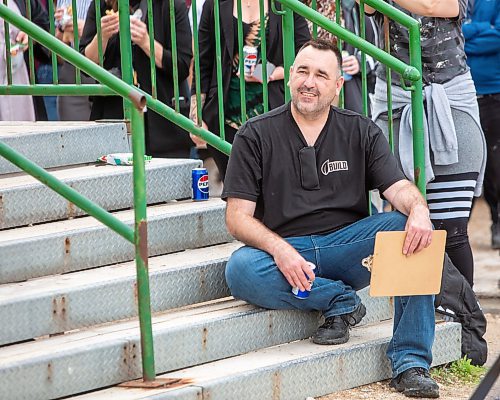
141	246
53	56
416	95
338	15
196	54
288	45
218	61
188	125
152	56
241	66
314	6
99	32
364	83
66	191
126	51
388	77
8	57
263	51
74	57
136	118
57	90
417	110
408	72
31	56
175	70
76	38
417	87
392	13
275	10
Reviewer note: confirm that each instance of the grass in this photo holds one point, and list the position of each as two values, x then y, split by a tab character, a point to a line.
460	371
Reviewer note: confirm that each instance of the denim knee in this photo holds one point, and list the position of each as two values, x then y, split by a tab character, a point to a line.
232	267
238	270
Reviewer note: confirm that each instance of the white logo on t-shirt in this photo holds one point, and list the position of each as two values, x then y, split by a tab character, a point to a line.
332	166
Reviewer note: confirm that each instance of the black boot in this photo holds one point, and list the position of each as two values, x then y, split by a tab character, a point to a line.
416	382
335	330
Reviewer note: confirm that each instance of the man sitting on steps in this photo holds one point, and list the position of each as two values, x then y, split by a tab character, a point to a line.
296	190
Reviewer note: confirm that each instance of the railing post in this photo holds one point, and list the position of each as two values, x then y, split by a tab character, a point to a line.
417	110
288	46
141	245
125	51
218	60
136	118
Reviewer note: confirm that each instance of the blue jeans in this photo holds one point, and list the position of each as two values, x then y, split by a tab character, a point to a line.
339	274
44	76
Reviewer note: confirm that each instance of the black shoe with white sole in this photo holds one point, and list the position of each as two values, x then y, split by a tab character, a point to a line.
335	330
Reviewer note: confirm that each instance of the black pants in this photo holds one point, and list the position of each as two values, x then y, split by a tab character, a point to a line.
219	157
489	110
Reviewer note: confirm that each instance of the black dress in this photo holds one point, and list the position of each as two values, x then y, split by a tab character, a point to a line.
163	138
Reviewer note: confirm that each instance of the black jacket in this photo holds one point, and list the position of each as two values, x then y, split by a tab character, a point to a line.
163	138
38	14
208	69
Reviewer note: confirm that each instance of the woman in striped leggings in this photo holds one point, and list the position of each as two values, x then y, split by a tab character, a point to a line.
455	146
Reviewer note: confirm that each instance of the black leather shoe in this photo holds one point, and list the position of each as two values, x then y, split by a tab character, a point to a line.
335	330
495	236
416	382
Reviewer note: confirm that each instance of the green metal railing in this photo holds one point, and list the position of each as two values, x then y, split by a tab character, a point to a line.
136	99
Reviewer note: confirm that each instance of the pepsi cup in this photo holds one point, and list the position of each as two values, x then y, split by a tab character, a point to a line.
200	184
303	294
250	59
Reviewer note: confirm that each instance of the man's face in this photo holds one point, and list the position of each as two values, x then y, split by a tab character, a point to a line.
315	81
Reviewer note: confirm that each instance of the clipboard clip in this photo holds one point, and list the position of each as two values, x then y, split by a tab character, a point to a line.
367	262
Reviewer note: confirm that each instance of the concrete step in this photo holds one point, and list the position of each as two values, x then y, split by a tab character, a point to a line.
25	200
61	303
82	243
55	144
290	371
76	362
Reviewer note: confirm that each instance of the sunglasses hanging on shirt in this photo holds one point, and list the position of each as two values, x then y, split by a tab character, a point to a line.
309	178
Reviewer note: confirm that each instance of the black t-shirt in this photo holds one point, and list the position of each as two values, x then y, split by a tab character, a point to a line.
352	157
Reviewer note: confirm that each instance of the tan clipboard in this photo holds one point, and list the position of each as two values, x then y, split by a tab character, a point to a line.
394	274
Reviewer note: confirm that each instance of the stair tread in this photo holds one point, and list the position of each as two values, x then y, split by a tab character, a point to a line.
55	144
83	339
271	359
12	129
85	172
185	317
78	280
66	226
